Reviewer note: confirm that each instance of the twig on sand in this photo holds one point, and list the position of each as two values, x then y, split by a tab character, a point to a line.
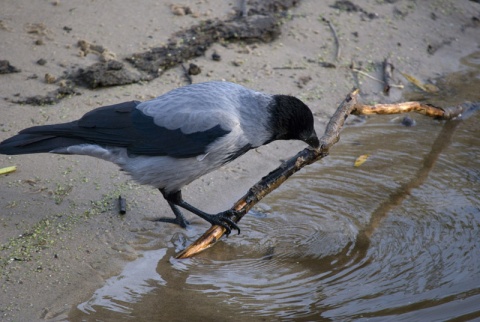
335	37
356	70
290	67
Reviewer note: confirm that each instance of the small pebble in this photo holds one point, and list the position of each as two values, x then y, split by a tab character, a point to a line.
237	63
63	83
194	70
216	57
41	61
7	68
180	10
49	78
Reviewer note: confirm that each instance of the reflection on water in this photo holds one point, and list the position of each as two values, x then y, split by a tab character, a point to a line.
394	239
138	278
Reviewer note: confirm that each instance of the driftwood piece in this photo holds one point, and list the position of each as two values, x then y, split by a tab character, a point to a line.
275	178
445	113
308	156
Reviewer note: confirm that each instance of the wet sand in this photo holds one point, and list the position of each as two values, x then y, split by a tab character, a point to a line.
60	230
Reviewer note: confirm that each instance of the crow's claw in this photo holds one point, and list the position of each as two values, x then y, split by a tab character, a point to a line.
222	219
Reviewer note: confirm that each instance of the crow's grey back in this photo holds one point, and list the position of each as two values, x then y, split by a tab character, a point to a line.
199	107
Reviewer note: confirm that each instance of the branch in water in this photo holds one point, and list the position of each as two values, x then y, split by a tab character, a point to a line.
308	156
275	178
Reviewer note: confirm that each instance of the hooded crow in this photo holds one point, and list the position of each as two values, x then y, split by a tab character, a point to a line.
176	138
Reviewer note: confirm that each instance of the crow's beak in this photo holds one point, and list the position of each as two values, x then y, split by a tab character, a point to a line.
313	141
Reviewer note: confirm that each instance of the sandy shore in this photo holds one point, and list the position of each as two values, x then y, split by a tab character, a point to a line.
60	232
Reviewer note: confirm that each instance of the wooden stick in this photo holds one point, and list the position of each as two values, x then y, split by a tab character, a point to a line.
331	136
275	178
445	113
335	38
361	72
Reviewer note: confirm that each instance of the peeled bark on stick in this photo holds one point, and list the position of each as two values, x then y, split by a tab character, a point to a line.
445	113
308	156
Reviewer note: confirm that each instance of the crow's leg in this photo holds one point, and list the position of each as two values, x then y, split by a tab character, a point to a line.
220	219
179	218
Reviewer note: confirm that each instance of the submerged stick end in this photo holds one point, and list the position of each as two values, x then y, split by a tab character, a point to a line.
207	240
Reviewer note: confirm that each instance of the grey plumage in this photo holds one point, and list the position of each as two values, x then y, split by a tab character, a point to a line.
175	138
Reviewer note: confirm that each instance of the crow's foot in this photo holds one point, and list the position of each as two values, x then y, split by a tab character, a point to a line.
223	219
181	221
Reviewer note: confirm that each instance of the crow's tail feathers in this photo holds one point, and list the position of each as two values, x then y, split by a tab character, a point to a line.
35	143
41	139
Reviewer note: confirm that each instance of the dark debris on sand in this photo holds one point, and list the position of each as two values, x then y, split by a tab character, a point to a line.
261	22
6	68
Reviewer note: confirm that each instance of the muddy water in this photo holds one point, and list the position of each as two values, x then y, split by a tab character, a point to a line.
394	239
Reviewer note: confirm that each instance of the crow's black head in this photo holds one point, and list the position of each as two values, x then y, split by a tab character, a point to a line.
291	119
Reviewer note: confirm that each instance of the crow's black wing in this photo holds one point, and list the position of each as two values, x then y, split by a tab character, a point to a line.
119	125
